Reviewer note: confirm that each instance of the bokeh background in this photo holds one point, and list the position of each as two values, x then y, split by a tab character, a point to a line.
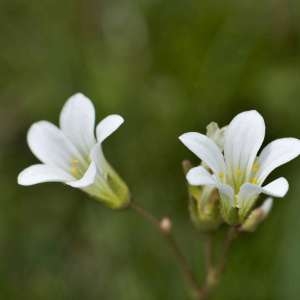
167	66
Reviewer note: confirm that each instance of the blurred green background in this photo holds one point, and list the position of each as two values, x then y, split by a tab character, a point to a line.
167	66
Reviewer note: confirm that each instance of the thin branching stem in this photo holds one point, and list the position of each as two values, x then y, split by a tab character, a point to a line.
171	241
213	272
145	214
231	235
208	251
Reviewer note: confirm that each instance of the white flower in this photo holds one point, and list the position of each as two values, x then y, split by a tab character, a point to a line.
71	154
238	173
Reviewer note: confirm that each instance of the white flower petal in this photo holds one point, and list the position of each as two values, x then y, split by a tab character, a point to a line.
243	138
100	186
98	158
246	198
107	126
227	194
249	193
205	149
200	176
77	121
41	173
87	179
277	188
50	145
276	154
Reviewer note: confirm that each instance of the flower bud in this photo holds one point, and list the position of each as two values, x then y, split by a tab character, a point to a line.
166	225
204	207
216	134
257	216
203	204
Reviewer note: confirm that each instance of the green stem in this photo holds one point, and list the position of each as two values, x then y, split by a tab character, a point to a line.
171	241
214	272
208	252
232	234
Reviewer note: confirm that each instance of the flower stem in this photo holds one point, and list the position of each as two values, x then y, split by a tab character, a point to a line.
231	235
214	272
166	232
208	251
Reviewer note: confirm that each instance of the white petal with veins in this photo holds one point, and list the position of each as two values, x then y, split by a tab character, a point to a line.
108	126
87	179
275	154
206	149
243	138
50	145
277	188
200	176
77	122
42	173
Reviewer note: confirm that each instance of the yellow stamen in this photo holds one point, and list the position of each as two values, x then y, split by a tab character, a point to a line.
238	174
254	180
222	176
255	167
75	167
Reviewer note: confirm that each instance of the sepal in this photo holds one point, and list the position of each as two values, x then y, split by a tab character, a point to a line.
204	208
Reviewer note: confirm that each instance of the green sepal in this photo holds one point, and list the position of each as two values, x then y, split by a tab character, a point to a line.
229	213
113	191
204	208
